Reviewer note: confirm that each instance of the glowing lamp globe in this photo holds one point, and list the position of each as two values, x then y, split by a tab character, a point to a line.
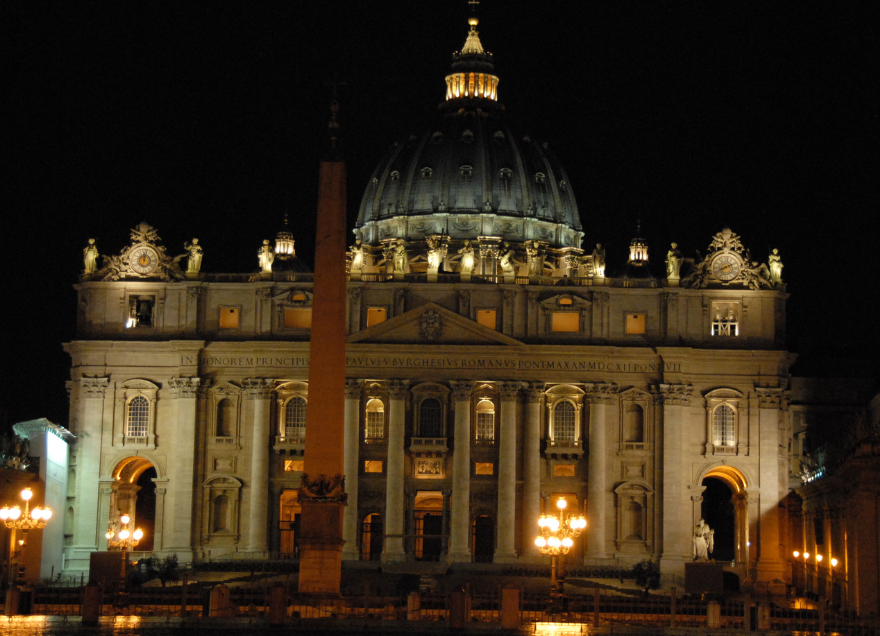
540	542
26	494
567	542
138	534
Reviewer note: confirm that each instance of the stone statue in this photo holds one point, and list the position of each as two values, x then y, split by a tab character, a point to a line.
436	252
266	256
466	264
357	256
90	257
508	264
532	253
775	266
194	261
599	260
704	541
400	258
673	262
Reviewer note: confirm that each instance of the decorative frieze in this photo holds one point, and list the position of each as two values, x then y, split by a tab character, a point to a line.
674	394
94	388
184	387
257	388
773	398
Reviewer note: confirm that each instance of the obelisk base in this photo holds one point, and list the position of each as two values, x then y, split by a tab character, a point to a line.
320	557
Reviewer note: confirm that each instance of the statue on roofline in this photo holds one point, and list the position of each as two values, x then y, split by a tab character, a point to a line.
466	264
90	257
194	256
776	266
266	256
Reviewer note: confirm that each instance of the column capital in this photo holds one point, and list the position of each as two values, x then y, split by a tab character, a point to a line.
773	398
602	393
462	390
673	394
95	387
509	390
353	389
534	391
397	389
257	388
184	387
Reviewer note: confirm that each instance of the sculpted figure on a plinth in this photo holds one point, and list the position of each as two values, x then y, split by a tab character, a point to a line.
466	264
357	256
90	257
266	256
673	262
508	263
400	259
776	266
194	259
599	261
704	541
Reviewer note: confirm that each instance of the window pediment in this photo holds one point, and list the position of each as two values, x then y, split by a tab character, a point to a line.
140	384
565	302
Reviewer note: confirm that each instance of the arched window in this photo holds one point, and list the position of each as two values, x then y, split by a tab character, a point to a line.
295	420
138	417
430	418
564	421
225	415
221	514
724	425
633	424
485	421
375	420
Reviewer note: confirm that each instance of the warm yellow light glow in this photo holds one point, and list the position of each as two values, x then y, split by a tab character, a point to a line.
818	558
796	554
36	514
554	524
123	534
561	504
834	563
109	535
125	519
567	542
26	494
540	542
553	542
14	513
47	514
542	521
138	534
4	513
806	555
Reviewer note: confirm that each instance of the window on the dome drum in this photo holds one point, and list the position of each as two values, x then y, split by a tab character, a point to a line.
564	422
430	418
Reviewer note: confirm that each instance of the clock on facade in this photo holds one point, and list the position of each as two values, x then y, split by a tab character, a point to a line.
143	260
726	267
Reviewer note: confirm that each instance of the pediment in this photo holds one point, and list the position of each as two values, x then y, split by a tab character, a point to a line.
565	302
431	324
140	384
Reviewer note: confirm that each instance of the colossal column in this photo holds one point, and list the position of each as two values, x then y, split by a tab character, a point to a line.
178	535
532	468
322	493
394	473
597	487
504	549
460	523
677	530
770	566
350	522
258	391
88	431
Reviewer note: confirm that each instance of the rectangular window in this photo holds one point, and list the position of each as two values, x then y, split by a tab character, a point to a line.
565	322
484	468
487	318
375	425
229	317
372	465
563	470
725	319
293	465
140	311
375	315
635	324
486	427
298	318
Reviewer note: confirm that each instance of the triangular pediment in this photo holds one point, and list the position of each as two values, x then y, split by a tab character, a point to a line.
431	324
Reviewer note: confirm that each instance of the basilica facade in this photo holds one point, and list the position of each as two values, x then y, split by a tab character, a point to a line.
494	366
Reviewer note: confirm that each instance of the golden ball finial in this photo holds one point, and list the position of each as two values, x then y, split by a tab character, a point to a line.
473	21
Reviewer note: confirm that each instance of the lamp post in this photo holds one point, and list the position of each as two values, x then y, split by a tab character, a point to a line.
16	518
556	539
123	540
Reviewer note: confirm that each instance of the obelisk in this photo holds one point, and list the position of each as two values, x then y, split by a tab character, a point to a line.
322	494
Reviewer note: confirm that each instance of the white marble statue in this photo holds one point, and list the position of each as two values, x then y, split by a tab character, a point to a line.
194	260
436	252
357	256
466	264
400	258
704	541
266	256
776	266
90	257
599	260
673	262
508	264
532	253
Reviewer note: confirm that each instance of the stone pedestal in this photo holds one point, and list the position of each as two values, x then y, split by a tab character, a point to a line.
320	548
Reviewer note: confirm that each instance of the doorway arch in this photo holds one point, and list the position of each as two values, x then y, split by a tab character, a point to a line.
725	500
133	493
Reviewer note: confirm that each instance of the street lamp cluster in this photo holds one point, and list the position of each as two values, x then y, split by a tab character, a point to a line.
818	557
125	539
16	518
556	539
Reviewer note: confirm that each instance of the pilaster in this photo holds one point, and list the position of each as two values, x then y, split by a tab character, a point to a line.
258	391
350	515
179	537
601	396
506	536
460	524
394	472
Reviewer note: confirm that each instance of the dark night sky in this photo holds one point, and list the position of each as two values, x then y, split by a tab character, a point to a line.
206	120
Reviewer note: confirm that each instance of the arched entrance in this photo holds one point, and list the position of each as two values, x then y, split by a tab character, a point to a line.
372	537
725	509
484	539
134	494
289	524
428	516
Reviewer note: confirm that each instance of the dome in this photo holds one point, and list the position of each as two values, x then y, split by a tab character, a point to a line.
470	172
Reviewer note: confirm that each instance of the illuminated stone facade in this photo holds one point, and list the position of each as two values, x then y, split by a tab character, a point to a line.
492	365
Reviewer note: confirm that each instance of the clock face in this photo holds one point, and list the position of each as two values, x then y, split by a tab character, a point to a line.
726	267
143	260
